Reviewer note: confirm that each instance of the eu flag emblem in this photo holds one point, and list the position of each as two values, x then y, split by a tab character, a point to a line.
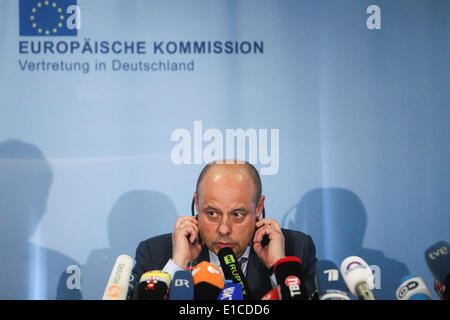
45	18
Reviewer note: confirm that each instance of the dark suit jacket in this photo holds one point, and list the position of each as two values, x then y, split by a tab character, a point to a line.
153	254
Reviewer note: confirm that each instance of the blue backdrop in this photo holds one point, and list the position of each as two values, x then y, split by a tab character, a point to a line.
109	110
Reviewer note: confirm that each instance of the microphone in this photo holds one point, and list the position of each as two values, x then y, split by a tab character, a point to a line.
117	286
273	294
358	277
437	258
289	275
441	290
412	288
330	285
153	285
232	292
232	270
182	286
208	281
131	285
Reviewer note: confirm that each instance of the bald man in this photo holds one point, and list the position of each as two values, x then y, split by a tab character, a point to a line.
229	204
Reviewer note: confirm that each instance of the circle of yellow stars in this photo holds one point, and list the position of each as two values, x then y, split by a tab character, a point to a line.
44	4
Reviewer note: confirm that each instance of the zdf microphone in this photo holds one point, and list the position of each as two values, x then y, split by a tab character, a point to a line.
153	285
289	275
117	286
358	277
208	281
412	288
329	282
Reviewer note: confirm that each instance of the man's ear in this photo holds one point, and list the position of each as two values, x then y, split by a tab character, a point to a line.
260	207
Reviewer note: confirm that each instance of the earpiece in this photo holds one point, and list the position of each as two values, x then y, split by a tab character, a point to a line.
192	207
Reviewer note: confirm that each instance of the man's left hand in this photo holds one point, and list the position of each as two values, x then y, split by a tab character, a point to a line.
275	249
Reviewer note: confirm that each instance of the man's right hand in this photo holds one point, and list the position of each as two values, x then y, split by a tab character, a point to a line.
186	244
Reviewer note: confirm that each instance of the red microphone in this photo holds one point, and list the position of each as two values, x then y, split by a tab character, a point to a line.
273	294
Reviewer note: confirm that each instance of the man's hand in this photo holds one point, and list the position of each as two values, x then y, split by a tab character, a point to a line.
275	249
186	244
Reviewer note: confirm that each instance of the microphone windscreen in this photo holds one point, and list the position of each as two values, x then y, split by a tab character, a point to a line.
117	286
441	290
355	270
329	283
273	294
232	270
289	275
182	286
412	288
231	292
153	285
208	281
437	258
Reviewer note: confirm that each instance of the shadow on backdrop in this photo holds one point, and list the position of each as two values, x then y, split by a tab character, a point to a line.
136	216
28	270
336	220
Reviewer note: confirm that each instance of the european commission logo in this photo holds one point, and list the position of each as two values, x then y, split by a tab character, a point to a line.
49	17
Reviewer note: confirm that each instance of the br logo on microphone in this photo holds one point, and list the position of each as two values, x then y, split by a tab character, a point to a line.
293	283
181	283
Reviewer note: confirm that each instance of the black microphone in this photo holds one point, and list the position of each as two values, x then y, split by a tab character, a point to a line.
154	285
437	258
232	270
289	275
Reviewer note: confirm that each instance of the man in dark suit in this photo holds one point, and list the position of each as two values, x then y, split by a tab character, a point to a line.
229	204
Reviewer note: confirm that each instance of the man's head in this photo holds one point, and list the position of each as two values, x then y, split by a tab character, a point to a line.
228	200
